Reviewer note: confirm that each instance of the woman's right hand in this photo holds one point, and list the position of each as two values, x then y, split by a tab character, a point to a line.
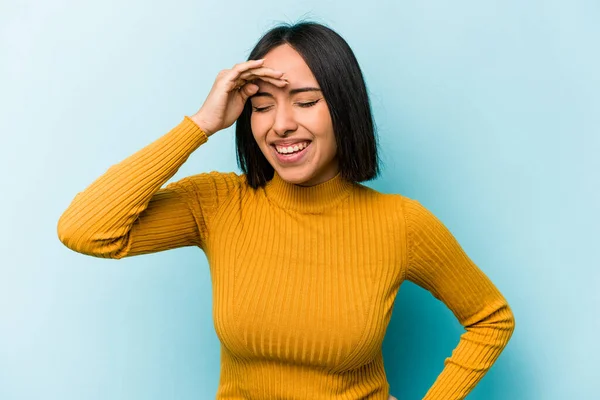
229	93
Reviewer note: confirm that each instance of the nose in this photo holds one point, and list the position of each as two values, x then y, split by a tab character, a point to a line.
284	120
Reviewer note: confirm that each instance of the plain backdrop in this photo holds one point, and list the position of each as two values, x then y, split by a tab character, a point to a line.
488	112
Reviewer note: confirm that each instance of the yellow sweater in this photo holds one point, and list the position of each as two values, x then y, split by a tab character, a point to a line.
304	278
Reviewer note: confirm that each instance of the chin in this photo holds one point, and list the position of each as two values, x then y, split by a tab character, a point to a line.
298	177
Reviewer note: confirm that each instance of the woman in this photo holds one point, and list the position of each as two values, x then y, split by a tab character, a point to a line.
305	261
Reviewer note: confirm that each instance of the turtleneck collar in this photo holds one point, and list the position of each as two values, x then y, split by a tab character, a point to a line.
308	199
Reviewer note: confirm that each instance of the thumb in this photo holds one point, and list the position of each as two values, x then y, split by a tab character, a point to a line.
249	90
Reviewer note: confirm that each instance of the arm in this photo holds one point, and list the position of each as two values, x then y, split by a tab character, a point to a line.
437	263
125	213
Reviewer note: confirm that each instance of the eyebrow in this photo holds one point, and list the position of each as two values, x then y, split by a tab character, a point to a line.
292	91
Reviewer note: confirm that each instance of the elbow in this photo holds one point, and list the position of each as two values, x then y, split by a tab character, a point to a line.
505	318
66	232
506	325
510	320
81	239
497	319
504	322
73	239
80	232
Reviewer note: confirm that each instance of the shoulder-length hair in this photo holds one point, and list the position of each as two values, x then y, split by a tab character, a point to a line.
339	76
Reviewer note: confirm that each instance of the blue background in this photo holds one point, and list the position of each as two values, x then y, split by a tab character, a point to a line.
488	113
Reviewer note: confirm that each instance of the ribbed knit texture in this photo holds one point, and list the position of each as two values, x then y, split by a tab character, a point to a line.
304	278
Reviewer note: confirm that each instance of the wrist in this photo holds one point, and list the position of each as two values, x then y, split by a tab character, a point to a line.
199	121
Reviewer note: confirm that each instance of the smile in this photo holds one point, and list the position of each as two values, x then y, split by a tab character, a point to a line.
291	154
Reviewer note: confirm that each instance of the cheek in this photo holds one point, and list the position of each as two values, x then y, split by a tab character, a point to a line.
324	127
259	128
317	122
330	145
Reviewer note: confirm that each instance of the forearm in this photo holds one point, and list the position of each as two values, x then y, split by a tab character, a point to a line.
476	352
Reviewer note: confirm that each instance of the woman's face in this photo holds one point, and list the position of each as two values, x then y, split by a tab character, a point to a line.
284	121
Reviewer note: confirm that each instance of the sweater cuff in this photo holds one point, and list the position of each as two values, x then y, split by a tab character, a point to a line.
193	126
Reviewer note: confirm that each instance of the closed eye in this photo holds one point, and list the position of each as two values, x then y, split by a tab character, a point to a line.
303	105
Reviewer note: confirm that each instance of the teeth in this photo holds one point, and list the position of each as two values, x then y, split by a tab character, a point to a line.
291	149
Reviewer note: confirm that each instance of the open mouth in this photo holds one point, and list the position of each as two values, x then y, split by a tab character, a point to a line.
291	153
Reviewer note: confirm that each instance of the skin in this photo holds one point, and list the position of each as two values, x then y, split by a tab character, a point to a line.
281	115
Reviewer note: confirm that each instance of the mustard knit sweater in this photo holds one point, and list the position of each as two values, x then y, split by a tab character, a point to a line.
304	278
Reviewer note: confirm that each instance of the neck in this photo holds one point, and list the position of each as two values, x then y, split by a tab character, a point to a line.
308	199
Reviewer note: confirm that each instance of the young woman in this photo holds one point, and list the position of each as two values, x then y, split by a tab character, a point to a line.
305	261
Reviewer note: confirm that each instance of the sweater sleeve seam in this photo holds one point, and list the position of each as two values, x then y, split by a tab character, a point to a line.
237	189
222	203
187	198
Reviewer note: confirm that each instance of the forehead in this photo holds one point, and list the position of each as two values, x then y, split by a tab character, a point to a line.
287	60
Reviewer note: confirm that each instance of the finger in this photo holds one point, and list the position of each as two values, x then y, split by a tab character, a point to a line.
247	90
241	67
230	76
261	72
250	88
245	72
274	81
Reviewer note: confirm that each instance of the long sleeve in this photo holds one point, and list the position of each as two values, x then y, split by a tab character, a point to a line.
125	212
437	263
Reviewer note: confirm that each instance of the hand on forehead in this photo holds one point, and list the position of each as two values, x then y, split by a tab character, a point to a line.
287	60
